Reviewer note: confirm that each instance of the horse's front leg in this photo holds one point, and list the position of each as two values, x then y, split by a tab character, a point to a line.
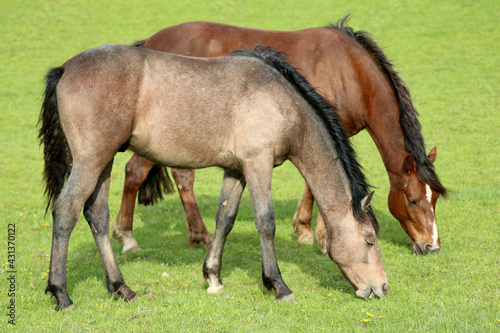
96	212
136	172
232	189
303	216
184	179
320	235
259	186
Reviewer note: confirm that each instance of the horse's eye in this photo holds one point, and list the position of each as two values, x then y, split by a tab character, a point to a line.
412	202
368	242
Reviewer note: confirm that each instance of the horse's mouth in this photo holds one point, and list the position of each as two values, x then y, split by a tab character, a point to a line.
369	292
427	249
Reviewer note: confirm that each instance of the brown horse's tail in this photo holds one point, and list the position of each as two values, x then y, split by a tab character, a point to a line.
56	152
157	183
139	43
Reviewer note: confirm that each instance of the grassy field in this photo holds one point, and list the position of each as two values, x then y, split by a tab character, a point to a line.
446	51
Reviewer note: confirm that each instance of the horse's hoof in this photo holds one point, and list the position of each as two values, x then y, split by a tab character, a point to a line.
216	289
131	248
69	308
60	307
306	239
129	243
208	241
133	299
288	298
321	244
117	234
305	234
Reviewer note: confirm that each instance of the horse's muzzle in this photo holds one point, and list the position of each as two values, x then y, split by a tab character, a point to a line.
426	248
368	292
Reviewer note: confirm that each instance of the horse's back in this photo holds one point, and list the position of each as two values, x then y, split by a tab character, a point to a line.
176	110
214	111
343	71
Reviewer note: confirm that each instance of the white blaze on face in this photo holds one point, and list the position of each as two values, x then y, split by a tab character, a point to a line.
428	193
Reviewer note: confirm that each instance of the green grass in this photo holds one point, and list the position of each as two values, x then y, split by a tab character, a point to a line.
446	51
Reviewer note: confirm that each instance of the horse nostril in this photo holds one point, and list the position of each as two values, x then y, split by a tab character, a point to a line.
385	287
432	248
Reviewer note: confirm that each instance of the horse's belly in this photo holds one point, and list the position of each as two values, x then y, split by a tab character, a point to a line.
179	153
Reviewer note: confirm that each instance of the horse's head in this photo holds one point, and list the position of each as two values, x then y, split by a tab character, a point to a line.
413	203
353	245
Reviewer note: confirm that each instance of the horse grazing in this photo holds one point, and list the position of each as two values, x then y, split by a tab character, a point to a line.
252	112
354	74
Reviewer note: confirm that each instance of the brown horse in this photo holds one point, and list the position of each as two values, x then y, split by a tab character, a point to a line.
252	112
353	73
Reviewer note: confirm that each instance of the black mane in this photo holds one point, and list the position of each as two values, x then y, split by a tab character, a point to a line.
414	141
328	114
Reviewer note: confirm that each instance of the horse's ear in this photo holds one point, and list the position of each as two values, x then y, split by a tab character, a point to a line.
409	165
366	201
433	154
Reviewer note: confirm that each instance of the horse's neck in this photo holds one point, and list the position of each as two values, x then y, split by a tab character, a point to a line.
389	139
381	118
316	159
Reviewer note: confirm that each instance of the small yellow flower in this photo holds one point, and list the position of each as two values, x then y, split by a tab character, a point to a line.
48	270
379	317
31	273
411	329
44	274
47	224
330	294
366	320
369	314
20	214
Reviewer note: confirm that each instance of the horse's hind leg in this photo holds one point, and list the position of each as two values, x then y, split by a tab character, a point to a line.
184	178
136	172
65	212
232	189
96	211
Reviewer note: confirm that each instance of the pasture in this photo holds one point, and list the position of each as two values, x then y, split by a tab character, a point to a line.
447	53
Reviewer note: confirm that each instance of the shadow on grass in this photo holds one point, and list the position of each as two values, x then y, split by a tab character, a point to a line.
162	236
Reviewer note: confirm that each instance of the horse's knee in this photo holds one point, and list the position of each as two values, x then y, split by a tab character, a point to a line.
184	178
98	219
265	225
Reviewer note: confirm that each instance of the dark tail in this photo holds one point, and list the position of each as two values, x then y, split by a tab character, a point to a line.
56	152
157	183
